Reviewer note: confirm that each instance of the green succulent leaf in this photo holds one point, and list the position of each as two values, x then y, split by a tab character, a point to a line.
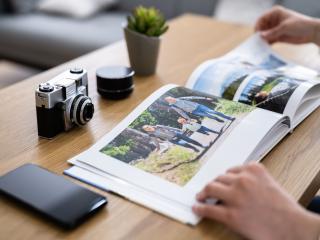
148	21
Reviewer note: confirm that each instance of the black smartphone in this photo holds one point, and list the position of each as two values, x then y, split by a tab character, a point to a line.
50	194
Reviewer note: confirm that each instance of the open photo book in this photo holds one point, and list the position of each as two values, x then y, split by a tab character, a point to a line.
233	110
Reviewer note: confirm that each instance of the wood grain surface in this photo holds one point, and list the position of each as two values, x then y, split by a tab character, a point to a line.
295	162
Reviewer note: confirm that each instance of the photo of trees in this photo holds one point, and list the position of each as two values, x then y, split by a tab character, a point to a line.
264	84
171	138
271	93
229	73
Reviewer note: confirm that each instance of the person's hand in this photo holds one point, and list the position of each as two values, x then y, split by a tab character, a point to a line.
283	25
255	206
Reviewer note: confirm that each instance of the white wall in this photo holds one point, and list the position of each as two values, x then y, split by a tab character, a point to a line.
241	11
309	7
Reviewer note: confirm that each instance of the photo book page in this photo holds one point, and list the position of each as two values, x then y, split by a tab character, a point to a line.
178	140
255	75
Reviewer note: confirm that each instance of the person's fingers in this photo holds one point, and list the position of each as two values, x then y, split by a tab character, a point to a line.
273	35
227	178
263	23
214	190
291	39
215	212
236	169
268	20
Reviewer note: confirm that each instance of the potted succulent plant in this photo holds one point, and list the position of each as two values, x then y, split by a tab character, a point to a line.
142	34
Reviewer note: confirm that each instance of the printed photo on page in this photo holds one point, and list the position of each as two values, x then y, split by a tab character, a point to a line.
175	136
255	76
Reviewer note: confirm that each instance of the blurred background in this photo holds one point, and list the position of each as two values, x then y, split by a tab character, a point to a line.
39	34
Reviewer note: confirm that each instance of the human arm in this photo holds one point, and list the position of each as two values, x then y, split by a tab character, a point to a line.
181	113
196	98
167	128
156	142
254	205
283	25
184	127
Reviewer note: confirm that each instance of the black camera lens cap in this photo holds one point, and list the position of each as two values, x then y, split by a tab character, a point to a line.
115	82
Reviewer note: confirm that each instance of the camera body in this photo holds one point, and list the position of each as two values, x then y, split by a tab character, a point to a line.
63	102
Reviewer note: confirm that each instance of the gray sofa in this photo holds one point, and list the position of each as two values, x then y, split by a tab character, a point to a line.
45	40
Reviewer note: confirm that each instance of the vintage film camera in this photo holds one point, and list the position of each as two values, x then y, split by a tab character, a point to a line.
63	102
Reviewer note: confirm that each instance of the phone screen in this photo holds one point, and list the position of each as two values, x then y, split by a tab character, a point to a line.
50	194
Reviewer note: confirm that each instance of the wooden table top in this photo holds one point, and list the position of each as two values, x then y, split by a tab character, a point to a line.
295	162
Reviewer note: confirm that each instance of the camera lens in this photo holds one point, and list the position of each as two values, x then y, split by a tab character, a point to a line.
88	111
81	110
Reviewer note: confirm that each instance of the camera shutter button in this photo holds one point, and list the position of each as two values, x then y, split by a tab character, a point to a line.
46	88
76	70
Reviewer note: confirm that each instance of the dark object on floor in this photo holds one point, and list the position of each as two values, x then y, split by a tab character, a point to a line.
314	206
115	82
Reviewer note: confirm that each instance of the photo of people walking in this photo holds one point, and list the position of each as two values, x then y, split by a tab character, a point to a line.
271	93
171	137
267	82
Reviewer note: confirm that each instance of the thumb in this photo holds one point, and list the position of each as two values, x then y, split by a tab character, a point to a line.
274	34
